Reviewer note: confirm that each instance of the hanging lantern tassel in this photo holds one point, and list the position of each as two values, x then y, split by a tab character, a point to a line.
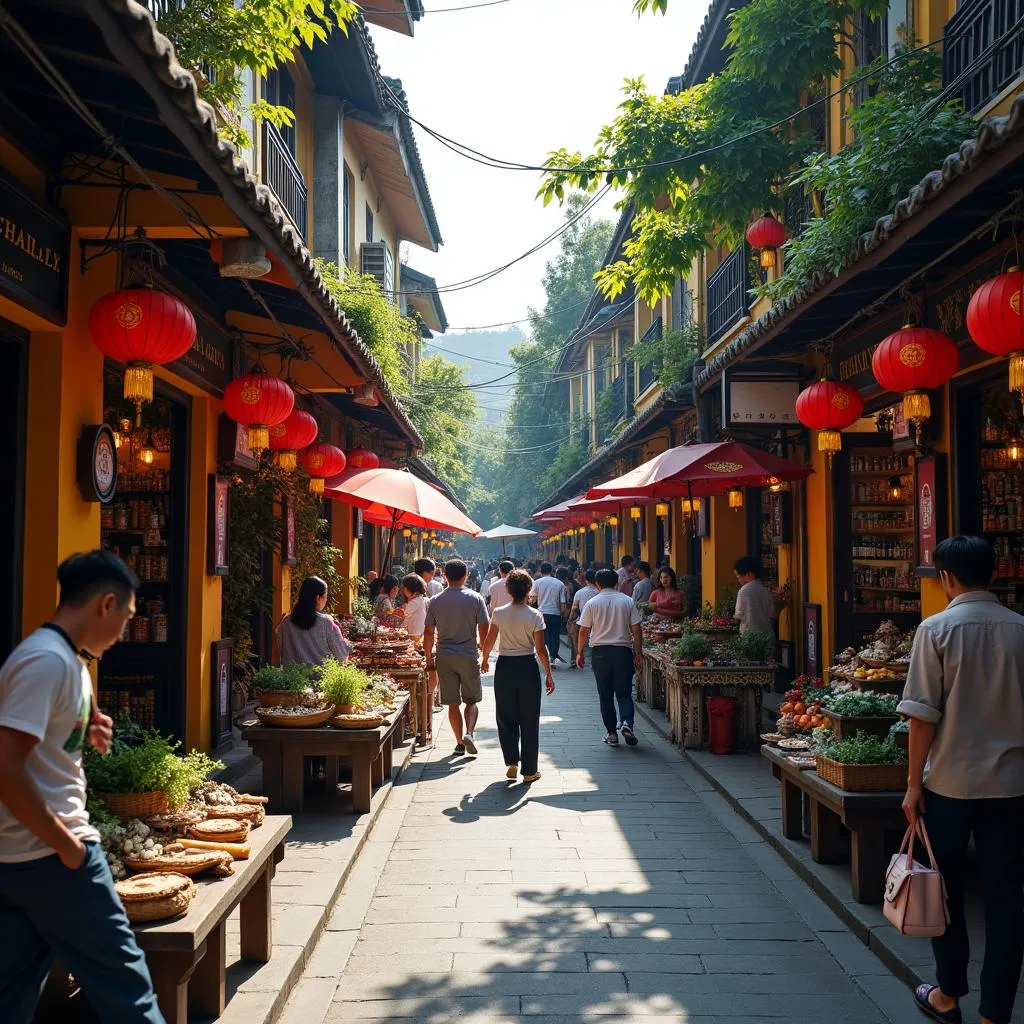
321	461
138	387
259	402
829	407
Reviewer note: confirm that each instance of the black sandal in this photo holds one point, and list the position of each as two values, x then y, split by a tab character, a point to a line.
921	996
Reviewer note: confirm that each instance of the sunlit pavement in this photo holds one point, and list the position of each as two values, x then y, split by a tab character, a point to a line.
617	886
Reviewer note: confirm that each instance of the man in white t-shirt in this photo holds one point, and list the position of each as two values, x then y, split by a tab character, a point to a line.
426	569
755	606
497	592
611	622
56	891
552	601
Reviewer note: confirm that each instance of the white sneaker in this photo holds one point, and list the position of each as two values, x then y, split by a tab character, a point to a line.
467	742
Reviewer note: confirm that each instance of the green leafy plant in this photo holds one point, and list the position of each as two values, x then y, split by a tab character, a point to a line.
862	704
865	749
342	684
185	774
693	647
672	354
755	645
296	678
726	605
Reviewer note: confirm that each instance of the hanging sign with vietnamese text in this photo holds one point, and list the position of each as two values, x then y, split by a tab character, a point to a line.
930	491
34	243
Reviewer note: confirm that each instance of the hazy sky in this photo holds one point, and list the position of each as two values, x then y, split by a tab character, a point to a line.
515	81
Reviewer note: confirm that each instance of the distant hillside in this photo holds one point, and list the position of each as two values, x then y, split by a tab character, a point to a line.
485	356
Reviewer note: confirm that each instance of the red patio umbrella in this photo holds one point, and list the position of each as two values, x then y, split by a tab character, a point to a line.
586	510
397	498
556	513
702	470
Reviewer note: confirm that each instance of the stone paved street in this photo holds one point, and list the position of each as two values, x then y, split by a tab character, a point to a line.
620	885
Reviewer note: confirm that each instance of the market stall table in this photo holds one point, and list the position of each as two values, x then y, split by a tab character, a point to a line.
867	816
283	751
187	955
687	689
420	716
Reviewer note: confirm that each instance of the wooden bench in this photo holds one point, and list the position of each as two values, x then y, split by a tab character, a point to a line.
283	751
187	955
867	816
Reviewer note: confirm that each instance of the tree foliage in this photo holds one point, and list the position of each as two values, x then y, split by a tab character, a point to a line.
699	164
672	354
225	38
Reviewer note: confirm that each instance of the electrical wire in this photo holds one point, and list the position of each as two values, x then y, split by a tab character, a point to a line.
439	10
525	319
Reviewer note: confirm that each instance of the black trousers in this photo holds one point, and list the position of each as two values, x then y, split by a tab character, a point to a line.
998	830
613	670
517	696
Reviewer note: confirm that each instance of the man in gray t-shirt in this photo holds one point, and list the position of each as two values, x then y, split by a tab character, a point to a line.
755	606
458	617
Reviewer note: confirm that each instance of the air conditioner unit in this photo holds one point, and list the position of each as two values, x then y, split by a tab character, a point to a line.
376	260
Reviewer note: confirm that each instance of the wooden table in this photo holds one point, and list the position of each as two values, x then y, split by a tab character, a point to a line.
651	681
282	751
868	817
688	688
187	955
414	681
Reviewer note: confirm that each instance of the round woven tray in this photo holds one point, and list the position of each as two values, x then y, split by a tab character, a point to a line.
175	823
191	862
252	813
155	896
357	721
875	663
220	830
307	721
134	805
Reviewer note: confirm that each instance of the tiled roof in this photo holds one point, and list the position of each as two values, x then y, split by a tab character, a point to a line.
158	52
717	12
992	133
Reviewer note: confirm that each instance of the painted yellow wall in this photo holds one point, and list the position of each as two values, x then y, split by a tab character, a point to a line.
728	541
820	546
366	192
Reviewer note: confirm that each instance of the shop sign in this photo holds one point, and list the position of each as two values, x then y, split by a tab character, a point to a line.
210	362
357	525
34	244
97	463
217	526
930	489
233	444
760	403
220	686
289	548
812	640
781	517
853	361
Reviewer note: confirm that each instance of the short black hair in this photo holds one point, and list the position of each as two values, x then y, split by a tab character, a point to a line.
519	584
644	567
971	561
627	560
591	576
422	565
505	566
85	576
748	563
414	583
607	579
545	568
455	570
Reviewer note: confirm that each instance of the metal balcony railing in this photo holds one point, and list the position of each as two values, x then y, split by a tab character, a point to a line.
982	51
282	174
649	372
728	292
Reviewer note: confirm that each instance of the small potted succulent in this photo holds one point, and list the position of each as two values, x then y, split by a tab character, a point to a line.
755	647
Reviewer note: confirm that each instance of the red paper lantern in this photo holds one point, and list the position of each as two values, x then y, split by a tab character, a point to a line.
140	327
298	431
913	361
767	234
321	461
996	324
363	458
259	402
829	406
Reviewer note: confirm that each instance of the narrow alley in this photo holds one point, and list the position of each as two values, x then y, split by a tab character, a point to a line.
620	885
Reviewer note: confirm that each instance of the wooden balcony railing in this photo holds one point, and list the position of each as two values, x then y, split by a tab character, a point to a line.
649	372
282	174
728	292
982	51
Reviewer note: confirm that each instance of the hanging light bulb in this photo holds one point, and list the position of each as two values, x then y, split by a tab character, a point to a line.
593	527
407	533
661	510
613	520
147	455
635	512
895	488
1015	452
736	499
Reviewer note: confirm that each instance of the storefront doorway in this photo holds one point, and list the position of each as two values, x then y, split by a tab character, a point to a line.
13	362
146	524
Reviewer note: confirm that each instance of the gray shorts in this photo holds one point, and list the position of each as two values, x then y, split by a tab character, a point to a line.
458	678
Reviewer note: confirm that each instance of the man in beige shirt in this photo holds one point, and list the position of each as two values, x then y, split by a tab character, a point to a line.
965	701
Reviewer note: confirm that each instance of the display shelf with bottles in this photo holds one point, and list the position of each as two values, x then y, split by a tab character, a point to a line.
882	534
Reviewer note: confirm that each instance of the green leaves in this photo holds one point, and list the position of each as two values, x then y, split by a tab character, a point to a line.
862	704
864	749
672	354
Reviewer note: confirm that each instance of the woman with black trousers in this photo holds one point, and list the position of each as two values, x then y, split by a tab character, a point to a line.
520	631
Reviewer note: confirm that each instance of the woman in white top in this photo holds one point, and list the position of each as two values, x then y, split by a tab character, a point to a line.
517	694
414	591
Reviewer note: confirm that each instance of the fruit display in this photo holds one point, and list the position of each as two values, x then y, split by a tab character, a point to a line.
804	707
884	658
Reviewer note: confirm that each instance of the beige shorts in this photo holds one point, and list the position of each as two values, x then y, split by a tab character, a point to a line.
459	679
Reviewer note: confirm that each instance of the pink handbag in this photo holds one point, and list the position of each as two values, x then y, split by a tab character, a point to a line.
915	895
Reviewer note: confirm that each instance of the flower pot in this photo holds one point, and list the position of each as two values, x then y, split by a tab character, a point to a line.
278	699
345	709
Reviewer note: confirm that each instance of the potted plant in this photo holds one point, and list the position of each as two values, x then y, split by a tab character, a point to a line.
863	764
861	711
693	649
342	685
142	775
900	732
282	687
755	647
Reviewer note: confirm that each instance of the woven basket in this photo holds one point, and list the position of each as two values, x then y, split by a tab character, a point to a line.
135	805
863	778
192	862
310	720
279	699
845	727
220	830
357	721
155	896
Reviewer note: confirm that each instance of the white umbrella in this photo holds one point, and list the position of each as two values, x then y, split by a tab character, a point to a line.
506	532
